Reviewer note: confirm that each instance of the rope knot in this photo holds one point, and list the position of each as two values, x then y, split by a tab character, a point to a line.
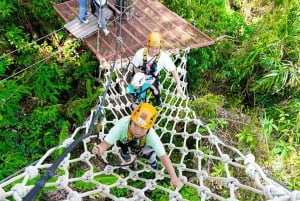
295	196
74	196
272	192
32	171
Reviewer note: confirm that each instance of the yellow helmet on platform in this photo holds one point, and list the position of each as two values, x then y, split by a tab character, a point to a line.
144	115
154	39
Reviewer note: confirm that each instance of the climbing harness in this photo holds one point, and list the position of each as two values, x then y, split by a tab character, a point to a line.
153	68
124	147
138	95
129	147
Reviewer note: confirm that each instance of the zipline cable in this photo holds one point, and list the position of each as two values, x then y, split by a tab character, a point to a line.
120	18
5	55
48	57
98	109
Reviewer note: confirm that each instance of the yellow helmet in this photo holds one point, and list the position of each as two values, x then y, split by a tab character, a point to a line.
154	39
144	115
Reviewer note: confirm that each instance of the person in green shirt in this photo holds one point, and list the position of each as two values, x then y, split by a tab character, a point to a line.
139	127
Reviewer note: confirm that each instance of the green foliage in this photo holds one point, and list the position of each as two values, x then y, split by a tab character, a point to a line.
10	96
248	137
6	9
285	119
218	17
267	63
34	104
120	192
218	170
64	133
282	148
46	85
208	105
15	36
11	160
84	186
158	194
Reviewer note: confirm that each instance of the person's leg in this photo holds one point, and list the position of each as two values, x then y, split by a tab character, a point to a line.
94	8
82	11
124	152
102	21
157	96
149	154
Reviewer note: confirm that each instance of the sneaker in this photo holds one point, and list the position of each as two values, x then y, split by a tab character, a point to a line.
154	165
158	100
158	103
85	21
126	157
99	26
105	31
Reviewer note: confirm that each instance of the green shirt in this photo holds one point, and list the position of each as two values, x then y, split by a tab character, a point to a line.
119	132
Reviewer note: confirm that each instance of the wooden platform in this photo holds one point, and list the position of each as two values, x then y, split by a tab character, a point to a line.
81	30
148	15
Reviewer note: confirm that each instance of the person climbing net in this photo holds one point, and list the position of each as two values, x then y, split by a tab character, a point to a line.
135	132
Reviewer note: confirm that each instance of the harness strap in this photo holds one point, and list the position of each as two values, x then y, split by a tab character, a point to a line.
154	64
138	92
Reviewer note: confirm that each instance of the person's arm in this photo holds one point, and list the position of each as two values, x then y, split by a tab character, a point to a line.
137	70
177	80
169	65
100	148
112	136
154	89
165	160
137	60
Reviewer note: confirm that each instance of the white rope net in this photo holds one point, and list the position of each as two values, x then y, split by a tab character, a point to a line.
209	168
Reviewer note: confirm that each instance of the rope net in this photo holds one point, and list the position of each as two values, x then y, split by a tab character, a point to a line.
209	168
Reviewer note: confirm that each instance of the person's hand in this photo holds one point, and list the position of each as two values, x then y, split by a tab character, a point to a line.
177	183
96	149
137	70
179	90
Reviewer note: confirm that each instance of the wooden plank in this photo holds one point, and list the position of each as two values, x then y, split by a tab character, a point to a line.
82	30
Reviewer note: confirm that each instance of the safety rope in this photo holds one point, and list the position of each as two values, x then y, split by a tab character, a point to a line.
33	43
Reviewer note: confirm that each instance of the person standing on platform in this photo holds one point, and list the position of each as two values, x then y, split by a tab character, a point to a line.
98	10
83	5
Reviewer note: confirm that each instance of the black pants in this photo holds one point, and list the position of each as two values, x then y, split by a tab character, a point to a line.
157	96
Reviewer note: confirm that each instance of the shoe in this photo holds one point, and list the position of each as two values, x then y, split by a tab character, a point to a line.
158	100
154	165
105	31
126	157
158	103
85	21
99	26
